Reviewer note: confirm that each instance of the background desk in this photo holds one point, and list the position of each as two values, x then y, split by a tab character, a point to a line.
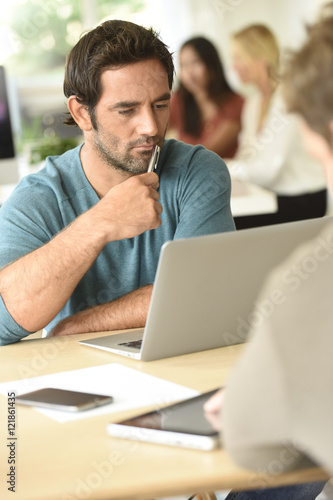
250	199
77	460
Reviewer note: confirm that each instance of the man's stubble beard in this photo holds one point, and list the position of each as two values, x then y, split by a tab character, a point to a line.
125	162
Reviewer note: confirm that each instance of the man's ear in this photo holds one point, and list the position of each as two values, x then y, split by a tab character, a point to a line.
80	113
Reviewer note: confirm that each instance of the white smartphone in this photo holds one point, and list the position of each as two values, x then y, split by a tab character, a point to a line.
181	424
61	399
154	159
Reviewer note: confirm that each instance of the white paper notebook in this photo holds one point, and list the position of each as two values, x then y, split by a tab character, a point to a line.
130	389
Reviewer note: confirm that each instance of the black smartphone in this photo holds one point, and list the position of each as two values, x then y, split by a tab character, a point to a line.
61	399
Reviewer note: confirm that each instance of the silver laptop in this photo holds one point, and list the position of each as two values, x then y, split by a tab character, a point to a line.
206	290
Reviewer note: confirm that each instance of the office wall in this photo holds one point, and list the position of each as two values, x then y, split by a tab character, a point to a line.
218	19
178	20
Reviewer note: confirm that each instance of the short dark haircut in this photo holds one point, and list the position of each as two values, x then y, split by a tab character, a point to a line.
308	78
112	44
218	88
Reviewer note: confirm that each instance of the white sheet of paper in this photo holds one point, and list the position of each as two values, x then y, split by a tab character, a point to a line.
130	389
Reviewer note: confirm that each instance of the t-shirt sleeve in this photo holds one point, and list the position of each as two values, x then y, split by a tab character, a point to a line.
25	225
10	330
204	197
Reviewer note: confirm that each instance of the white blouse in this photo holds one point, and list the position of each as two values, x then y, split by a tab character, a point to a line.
275	157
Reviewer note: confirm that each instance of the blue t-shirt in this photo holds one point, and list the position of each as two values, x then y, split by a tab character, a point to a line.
195	196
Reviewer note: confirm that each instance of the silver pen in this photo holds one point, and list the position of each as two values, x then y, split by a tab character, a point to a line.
154	159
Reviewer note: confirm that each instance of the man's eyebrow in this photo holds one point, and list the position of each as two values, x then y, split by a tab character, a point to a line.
125	104
164	97
132	104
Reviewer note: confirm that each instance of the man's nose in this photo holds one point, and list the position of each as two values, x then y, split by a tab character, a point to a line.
147	123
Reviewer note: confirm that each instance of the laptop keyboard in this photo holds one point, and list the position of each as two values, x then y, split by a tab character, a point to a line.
136	344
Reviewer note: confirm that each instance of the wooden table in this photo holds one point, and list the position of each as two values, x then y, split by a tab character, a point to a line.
77	460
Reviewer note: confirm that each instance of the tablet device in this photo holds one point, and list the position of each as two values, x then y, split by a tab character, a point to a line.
182	424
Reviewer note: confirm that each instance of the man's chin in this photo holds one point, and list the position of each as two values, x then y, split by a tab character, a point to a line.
136	166
140	161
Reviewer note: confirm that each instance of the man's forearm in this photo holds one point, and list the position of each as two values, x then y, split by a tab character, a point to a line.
129	311
37	286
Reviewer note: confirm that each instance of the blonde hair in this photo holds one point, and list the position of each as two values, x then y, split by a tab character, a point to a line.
260	43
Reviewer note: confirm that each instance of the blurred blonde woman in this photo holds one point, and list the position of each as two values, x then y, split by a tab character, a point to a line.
271	152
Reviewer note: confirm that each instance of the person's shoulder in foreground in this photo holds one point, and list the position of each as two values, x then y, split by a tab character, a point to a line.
278	406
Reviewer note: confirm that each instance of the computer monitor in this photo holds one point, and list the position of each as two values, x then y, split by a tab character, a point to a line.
9	173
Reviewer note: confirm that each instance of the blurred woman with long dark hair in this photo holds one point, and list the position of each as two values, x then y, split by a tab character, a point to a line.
204	109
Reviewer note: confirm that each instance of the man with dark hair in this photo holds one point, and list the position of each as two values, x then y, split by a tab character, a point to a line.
112	44
80	240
